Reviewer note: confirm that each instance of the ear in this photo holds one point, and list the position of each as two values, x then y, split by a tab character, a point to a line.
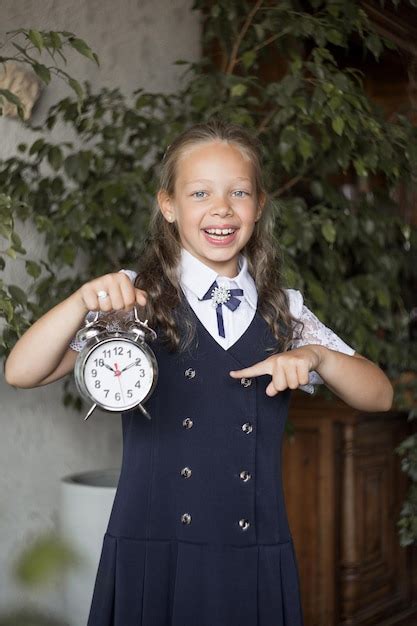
166	205
261	204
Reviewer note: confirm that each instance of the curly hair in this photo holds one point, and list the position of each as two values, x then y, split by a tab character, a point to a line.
160	256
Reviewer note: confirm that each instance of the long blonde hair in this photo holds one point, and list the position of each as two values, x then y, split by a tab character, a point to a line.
160	256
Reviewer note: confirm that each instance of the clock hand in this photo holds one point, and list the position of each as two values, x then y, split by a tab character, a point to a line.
108	367
121	390
117	373
137	362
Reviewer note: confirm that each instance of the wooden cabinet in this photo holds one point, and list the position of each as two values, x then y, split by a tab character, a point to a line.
344	489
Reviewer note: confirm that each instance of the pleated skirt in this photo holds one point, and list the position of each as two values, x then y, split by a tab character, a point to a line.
177	583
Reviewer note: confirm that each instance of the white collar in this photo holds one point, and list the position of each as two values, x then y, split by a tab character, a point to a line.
198	277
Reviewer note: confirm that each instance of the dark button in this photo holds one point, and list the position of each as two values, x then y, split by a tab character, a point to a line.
245	475
187	422
186	472
246	382
189	373
244	524
186	518
247	427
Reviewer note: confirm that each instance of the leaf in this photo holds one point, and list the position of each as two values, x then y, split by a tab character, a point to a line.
36	38
374	44
11	97
360	168
17	243
43	72
55	40
17	294
305	145
238	90
316	189
383	297
77	166
11	252
33	269
37	146
83	48
87	232
328	231
248	58
6	227
334	36
75	85
55	157
338	124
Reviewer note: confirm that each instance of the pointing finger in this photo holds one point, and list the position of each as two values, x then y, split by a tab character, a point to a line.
263	367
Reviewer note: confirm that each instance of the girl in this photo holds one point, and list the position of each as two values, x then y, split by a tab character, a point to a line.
198	534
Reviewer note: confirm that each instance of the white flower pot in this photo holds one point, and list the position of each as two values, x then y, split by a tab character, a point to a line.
86	503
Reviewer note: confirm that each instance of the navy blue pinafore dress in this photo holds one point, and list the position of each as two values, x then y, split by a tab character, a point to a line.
198	534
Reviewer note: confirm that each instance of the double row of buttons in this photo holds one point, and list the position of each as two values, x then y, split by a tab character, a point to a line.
186	472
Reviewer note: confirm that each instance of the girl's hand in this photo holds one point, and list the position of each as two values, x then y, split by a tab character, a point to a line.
122	295
288	369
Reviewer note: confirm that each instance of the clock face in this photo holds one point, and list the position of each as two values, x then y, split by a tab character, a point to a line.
118	374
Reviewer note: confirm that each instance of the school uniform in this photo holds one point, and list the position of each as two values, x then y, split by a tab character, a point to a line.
198	534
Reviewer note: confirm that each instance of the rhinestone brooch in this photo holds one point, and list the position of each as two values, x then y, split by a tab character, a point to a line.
220	295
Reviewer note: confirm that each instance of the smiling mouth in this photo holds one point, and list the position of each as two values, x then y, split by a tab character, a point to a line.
220	233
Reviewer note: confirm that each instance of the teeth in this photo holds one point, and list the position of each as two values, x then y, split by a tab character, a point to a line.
220	231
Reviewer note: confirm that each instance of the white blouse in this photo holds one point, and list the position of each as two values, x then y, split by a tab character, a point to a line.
196	278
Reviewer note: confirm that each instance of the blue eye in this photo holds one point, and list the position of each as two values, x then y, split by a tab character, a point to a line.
195	193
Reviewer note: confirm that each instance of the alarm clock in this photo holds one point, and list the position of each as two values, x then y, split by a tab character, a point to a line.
116	370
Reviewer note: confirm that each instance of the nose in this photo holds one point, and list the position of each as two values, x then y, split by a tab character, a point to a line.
222	207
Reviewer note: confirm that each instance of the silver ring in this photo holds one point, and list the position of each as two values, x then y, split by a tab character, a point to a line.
101	295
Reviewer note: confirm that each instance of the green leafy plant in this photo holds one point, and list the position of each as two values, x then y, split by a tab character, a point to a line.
27	46
89	198
46	557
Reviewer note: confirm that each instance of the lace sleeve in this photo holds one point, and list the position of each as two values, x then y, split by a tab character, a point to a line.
314	332
112	319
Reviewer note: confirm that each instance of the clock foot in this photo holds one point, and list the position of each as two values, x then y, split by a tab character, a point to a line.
90	411
144	411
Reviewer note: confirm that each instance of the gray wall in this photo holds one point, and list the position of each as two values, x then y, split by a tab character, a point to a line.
41	441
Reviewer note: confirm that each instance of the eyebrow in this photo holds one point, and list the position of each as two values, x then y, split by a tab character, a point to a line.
207	180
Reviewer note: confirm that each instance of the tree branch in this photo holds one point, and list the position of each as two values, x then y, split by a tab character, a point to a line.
236	46
290	183
268	117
